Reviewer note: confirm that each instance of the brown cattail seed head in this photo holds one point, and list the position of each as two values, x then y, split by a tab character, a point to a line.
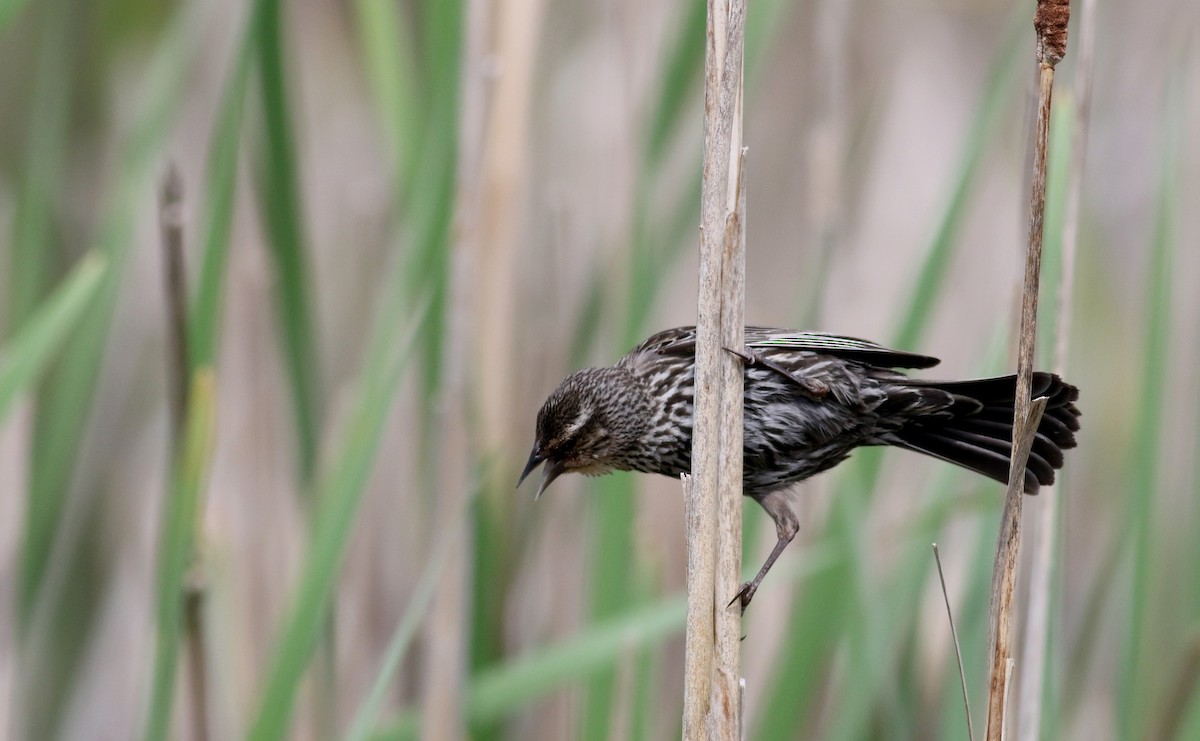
1050	23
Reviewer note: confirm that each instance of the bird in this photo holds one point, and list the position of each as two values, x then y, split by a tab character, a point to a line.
810	399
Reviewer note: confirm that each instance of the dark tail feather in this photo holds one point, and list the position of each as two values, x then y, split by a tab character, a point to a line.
975	430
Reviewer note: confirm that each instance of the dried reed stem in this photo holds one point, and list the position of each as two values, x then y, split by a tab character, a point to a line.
725	710
1034	652
170	220
711	682
1050	23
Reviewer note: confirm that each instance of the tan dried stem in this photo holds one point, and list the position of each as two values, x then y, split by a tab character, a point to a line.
1050	25
1034	654
711	663
725	705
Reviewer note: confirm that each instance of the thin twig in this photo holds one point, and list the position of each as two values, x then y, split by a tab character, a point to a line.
962	674
1050	23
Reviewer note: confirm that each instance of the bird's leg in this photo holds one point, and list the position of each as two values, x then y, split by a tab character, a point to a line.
811	387
786	527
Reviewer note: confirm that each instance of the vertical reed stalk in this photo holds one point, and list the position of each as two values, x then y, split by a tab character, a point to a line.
1050	23
712	672
1037	632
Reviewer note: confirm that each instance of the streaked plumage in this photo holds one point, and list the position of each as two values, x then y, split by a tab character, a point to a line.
810	399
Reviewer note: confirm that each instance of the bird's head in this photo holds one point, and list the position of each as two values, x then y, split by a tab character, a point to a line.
591	424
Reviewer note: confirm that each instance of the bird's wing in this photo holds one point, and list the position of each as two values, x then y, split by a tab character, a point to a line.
682	341
850	348
677	341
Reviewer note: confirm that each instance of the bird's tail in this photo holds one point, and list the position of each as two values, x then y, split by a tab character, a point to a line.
975	430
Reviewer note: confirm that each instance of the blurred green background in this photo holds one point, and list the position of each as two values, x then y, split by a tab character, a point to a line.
404	222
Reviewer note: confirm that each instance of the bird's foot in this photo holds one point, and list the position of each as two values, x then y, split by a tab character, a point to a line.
744	595
812	388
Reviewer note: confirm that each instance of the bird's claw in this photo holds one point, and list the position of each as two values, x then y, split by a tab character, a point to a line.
813	388
747	359
744	595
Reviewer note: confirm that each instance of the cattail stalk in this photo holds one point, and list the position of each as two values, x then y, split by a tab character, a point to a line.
1050	24
1037	630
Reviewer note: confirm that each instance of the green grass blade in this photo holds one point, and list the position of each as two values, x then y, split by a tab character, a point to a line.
610	588
412	57
1062	125
66	399
387	46
9	9
280	198
679	83
1134	687
496	544
498	692
179	529
29	350
220	188
877	630
338	497
647	670
684	65
765	20
833	607
996	95
822	608
418	605
56	616
32	248
431	204
877	624
612	499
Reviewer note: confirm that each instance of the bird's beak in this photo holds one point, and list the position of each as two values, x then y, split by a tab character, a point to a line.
553	470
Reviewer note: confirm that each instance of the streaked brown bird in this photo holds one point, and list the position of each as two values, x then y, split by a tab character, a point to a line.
810	399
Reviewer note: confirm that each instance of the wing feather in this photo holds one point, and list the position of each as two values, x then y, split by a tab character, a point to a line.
851	348
682	341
